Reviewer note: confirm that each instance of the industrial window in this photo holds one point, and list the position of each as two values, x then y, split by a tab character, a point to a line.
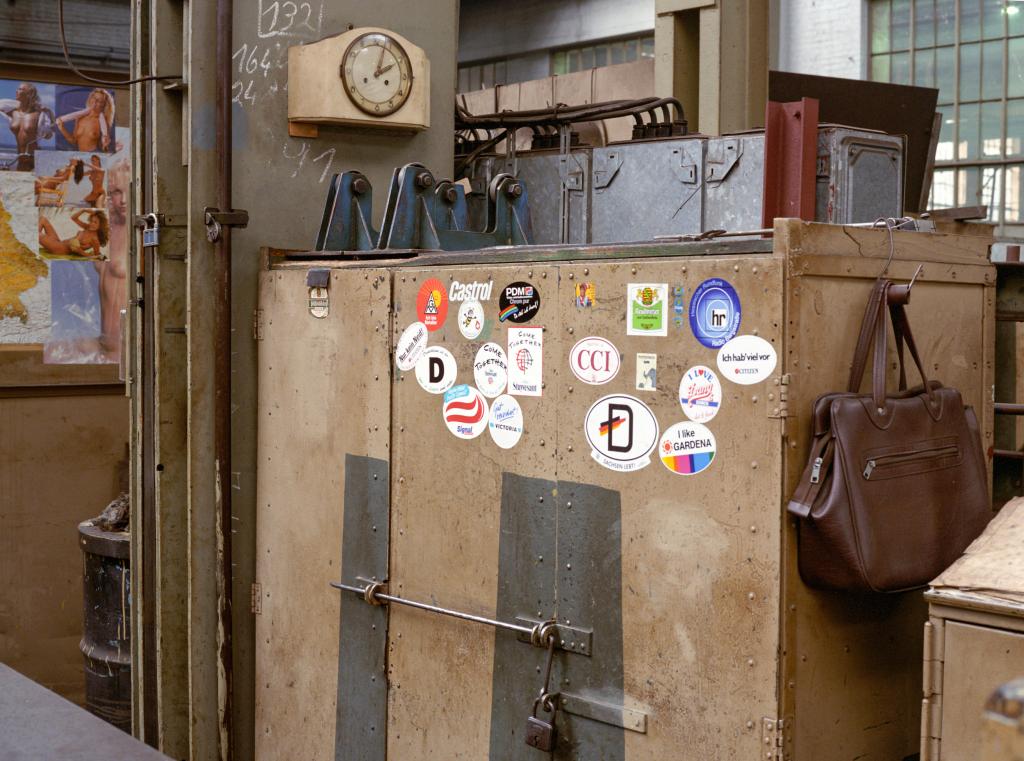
475	76
603	53
973	52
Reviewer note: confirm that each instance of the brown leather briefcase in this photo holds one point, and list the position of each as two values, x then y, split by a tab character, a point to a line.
896	486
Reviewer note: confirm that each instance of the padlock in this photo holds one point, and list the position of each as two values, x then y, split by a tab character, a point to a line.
541	734
151	232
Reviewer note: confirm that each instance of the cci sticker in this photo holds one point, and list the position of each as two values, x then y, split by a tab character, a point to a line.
714	313
594	360
475	291
747	360
465	411
471	319
700	394
585	295
526	361
687	448
432	304
647	309
436	370
410	346
506	421
490	370
622	432
646	372
519	302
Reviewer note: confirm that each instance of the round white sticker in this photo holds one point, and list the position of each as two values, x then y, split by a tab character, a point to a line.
700	394
622	431
747	360
471	319
687	448
594	360
490	370
465	411
436	370
506	421
410	346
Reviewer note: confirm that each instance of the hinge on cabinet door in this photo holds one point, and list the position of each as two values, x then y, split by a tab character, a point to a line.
257	598
931	705
779	406
773	739
257	324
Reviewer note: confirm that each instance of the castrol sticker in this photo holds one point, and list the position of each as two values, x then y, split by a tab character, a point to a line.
490	370
687	448
411	345
436	370
747	360
622	431
594	360
465	411
700	394
505	423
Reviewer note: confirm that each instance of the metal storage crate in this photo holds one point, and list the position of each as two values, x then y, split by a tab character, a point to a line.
687	631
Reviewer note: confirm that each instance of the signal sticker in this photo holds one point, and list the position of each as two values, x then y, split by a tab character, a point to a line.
594	360
506	421
436	370
714	313
465	411
526	361
622	432
687	448
747	360
471	319
411	345
432	304
700	394
490	370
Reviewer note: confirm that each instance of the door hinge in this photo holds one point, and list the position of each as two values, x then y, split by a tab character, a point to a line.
931	704
257	324
779	407
257	598
773	739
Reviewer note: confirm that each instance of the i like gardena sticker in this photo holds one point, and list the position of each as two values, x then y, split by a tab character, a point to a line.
687	448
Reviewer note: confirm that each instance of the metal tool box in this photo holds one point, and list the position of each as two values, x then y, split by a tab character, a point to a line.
684	631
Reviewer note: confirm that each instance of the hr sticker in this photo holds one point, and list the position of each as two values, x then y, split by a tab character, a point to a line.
714	313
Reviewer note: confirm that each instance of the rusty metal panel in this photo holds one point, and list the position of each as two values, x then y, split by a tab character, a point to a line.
323	399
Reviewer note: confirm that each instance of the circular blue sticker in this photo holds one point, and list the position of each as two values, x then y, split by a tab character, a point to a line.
714	313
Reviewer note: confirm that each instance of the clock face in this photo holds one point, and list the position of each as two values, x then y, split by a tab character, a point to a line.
376	73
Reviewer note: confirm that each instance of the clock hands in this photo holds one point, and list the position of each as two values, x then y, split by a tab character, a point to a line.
380	60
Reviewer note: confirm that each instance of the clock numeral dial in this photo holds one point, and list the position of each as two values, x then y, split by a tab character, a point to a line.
376	74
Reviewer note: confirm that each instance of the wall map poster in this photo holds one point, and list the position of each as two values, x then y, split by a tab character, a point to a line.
64	229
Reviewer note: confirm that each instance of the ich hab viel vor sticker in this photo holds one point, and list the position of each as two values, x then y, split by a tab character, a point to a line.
490	370
714	313
526	361
687	448
622	432
465	411
436	370
747	360
506	421
410	347
700	394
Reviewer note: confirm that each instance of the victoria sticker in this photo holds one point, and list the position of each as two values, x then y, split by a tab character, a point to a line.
647	309
519	302
471	319
622	432
506	421
490	370
700	394
465	411
410	346
594	360
526	361
747	360
432	304
436	370
714	313
687	448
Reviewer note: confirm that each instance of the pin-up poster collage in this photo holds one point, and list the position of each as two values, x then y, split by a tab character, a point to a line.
64	229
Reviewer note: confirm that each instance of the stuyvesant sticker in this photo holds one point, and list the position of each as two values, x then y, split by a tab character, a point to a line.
490	370
471	319
647	309
465	411
519	302
747	360
432	304
526	361
700	394
506	421
594	360
687	448
436	370
411	345
714	312
622	432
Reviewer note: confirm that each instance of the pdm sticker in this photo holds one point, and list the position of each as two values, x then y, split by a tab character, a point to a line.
490	370
410	346
646	372
622	431
687	448
594	360
506	421
471	319
432	304
700	394
526	361
519	302
585	293
465	411
436	370
714	313
747	360
475	291
647	309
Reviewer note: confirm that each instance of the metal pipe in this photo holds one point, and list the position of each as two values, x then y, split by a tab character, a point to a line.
361	591
1008	454
222	363
1007	408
